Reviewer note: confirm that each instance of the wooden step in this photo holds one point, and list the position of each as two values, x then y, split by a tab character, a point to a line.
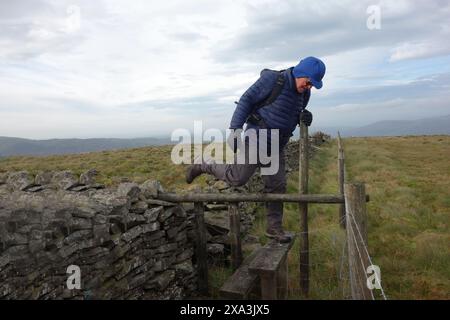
268	262
270	266
240	285
270	256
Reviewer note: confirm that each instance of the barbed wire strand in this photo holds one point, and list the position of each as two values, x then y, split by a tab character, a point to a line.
359	283
370	259
368	256
344	284
342	258
331	226
360	258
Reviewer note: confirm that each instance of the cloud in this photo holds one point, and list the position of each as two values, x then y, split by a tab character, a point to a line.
434	85
33	28
97	68
360	114
288	31
421	98
418	50
187	37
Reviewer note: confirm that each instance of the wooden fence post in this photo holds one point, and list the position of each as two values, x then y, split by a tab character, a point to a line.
303	209
201	252
283	280
341	179
235	235
356	221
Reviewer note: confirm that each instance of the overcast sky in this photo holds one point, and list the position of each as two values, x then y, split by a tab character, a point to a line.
132	68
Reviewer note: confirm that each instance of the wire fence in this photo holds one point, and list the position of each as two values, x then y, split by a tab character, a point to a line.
364	252
357	237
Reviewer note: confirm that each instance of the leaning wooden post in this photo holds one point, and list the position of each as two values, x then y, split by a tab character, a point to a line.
341	179
303	209
235	235
356	219
201	252
283	280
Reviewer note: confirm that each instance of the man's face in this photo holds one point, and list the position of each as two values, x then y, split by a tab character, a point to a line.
302	84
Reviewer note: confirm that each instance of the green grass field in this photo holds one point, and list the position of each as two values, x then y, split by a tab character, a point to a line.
408	179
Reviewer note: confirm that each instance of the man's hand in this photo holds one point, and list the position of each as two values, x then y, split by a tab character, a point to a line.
234	139
306	117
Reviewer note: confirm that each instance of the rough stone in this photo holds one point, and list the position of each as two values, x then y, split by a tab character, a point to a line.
150	188
167	248
43	178
139	207
185	267
88	177
163	216
129	190
64	180
19	180
215	248
131	234
154	236
172	232
185	255
132	220
152	214
163	264
217	222
3	177
150	227
163	280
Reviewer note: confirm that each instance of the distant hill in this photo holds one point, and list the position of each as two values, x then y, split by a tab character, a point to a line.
430	126
10	146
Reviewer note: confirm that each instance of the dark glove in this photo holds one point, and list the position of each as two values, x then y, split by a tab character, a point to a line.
306	117
234	139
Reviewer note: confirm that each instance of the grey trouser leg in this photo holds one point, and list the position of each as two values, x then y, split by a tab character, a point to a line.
238	174
275	184
235	175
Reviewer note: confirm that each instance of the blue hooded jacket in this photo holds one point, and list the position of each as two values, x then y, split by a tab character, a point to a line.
282	114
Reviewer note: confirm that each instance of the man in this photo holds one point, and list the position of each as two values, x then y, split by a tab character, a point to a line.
276	101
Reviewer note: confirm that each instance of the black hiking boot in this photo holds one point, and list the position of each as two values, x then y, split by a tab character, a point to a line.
278	234
192	172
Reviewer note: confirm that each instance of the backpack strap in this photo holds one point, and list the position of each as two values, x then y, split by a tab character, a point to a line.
276	90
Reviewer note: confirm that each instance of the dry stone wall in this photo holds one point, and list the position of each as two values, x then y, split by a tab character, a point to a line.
127	244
